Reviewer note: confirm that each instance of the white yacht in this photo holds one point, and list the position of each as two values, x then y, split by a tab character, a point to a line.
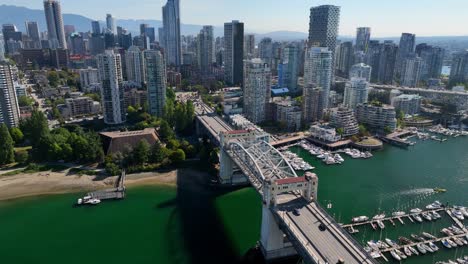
360	219
400	213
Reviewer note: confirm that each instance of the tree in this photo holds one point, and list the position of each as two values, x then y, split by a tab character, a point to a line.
35	127
165	131
53	78
158	153
17	135
7	151
25	101
340	131
177	156
141	152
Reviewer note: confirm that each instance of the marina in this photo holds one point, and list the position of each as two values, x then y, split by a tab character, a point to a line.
453	237
116	193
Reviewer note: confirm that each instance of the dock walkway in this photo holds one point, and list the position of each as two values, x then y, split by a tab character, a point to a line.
118	192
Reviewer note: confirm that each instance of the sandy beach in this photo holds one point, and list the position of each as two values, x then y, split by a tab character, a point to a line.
23	185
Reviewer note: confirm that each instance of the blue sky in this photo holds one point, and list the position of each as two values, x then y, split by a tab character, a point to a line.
386	17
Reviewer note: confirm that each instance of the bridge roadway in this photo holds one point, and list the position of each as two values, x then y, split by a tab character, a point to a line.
210	120
315	246
419	90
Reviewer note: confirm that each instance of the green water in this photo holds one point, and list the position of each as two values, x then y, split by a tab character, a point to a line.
148	227
393	180
166	225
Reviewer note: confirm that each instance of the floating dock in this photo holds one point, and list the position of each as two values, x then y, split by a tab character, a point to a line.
116	193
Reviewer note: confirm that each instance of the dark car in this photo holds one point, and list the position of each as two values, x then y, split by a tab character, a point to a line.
322	227
296	212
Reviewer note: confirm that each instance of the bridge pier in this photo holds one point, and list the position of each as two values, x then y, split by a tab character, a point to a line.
226	168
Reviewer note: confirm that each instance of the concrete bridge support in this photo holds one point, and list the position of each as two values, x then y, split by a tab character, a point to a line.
226	168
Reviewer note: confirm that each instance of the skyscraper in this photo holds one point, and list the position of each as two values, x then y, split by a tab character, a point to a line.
32	31
405	49
433	60
111	25
95	27
312	104
363	38
265	50
345	58
249	46
9	109
54	19
205	48
171	33
459	70
356	92
373	58
134	65
291	67
233	52
257	90
112	93
361	70
155	69
323	27
387	62
411	71
318	71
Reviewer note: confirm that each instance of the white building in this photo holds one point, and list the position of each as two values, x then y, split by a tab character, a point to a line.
410	104
257	93
111	26
356	92
156	81
171	33
112	93
318	70
344	118
135	65
89	78
360	70
411	71
324	133
377	117
9	109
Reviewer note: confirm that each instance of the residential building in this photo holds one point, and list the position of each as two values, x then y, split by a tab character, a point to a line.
135	65
9	109
361	70
345	119
88	78
287	113
55	28
378	118
135	98
432	61
362	38
318	71
409	104
459	69
171	33
372	59
265	50
32	31
155	69
111	25
356	92
79	106
257	94
323	28
112	94
387	61
290	65
345	58
405	49
95	27
324	133
249	46
233	52
205	48
312	104
411	71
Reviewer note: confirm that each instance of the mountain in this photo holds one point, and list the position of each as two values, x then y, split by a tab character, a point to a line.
283	36
18	15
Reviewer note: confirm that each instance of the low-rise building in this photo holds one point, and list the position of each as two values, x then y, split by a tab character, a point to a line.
288	113
79	106
378	118
410	104
88	79
324	133
135	97
119	142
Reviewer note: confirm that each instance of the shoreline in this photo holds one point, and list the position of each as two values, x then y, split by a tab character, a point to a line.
53	183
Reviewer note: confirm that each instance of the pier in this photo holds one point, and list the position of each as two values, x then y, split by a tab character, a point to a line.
118	192
399	247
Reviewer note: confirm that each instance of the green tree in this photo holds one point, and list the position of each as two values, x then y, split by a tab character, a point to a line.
141	152
53	78
340	131
158	153
177	156
7	151
35	127
165	131
17	135
25	101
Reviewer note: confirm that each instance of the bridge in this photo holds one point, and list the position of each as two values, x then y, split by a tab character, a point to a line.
209	123
292	220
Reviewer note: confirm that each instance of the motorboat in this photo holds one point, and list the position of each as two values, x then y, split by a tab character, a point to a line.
390	242
417	218
434	205
421	248
395	255
401	254
413	250
338	158
446	243
436	215
427	248
404	240
381	244
417	238
381	224
379	217
458	214
373	245
433	246
397	214
458	241
453	244
428	236
426	216
93	202
407	251
447	232
360	219
415	211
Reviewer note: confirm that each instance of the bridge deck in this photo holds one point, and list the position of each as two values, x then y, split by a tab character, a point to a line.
327	246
